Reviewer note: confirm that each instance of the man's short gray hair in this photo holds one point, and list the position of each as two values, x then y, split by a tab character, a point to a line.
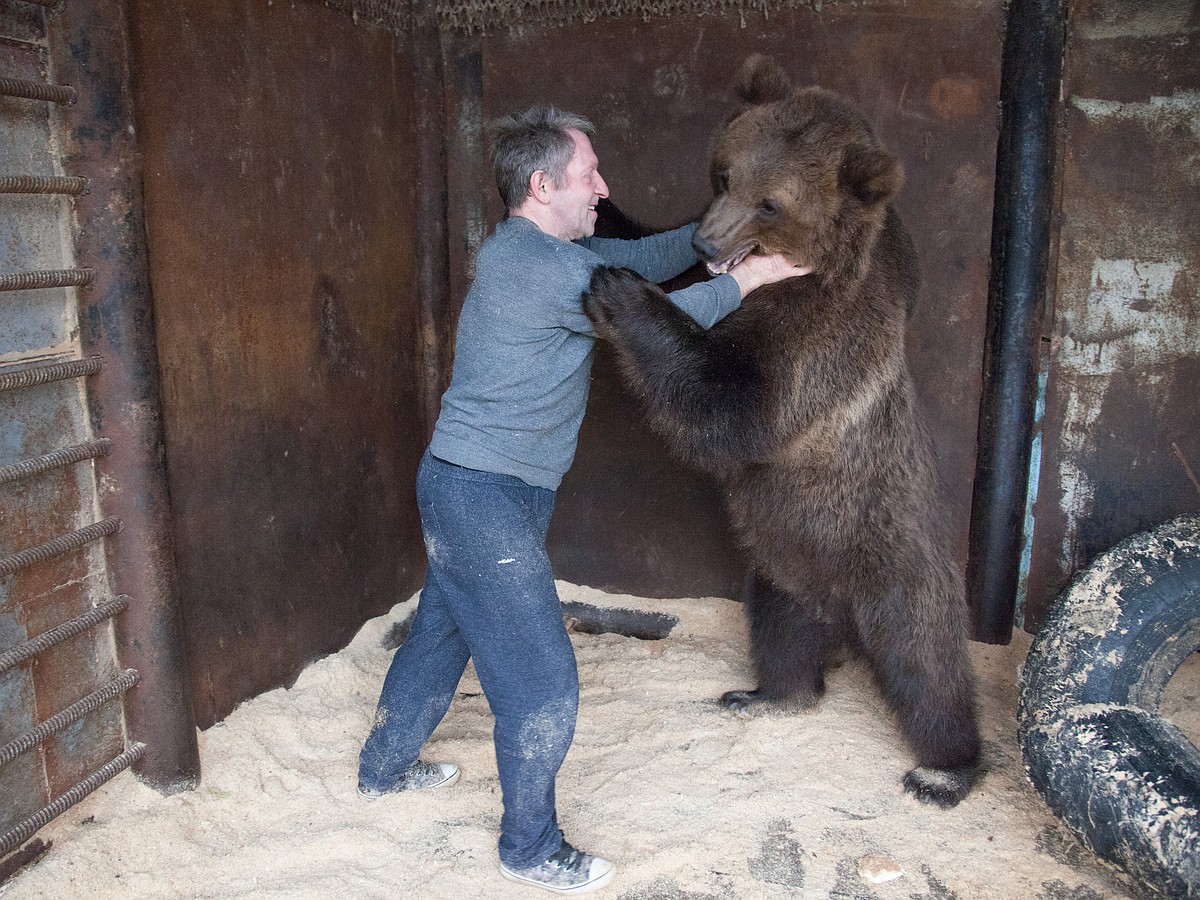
531	140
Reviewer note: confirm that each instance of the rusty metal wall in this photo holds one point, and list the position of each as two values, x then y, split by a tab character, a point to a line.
1121	441
927	75
39	326
280	208
304	333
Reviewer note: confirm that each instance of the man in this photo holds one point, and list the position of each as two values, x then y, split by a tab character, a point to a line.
504	438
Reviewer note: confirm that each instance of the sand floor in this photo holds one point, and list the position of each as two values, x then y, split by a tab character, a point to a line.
691	802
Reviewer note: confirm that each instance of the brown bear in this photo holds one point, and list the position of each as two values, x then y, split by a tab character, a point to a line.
801	404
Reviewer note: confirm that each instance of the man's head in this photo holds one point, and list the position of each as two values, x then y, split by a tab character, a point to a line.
546	170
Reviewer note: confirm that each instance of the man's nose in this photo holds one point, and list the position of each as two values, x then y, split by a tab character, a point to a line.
601	186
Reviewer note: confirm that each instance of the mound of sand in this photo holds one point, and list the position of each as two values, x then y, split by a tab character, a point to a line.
691	802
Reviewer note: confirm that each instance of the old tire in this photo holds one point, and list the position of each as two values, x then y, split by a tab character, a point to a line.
1125	780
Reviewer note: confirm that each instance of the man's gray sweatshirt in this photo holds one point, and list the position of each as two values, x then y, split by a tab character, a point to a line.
523	355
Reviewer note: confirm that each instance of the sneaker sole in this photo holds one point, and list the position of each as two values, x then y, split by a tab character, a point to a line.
429	787
594	885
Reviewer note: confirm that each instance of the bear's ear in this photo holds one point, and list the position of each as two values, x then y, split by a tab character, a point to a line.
871	175
761	80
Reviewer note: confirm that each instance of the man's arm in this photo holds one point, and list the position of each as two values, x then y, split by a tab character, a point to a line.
711	301
660	257
656	258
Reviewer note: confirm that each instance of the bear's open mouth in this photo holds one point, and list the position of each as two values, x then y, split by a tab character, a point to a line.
720	268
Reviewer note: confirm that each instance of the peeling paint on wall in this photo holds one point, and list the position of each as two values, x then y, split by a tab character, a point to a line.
1136	18
1130	319
1131	322
1122	424
1166	118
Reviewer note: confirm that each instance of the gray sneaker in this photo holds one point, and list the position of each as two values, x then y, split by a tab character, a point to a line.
567	871
418	776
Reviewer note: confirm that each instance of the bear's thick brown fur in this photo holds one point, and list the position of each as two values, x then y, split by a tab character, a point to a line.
801	403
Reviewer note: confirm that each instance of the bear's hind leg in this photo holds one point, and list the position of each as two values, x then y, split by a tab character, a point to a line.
918	651
790	646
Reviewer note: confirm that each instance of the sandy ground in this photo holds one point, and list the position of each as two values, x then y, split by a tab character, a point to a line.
692	803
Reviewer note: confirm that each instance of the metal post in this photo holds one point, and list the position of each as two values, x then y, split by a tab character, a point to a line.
1030	76
89	49
433	265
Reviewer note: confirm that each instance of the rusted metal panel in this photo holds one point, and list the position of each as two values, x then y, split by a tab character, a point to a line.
628	517
433	253
33	323
88	46
20	22
38	325
37	598
68	672
22	782
1122	424
468	175
280	198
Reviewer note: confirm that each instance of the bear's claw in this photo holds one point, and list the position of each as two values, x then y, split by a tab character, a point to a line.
741	702
748	704
945	787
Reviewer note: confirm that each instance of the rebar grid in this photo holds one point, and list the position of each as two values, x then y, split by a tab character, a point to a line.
73	713
58	546
24	830
48	278
42	184
65	631
52	372
36	90
56	460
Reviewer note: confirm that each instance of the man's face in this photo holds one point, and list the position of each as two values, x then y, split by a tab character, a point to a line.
573	203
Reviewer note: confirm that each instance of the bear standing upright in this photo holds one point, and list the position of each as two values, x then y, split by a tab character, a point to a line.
801	404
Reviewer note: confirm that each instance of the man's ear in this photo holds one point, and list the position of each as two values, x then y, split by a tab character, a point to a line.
539	186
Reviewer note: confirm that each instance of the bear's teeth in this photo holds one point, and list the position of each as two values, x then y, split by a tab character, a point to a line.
720	268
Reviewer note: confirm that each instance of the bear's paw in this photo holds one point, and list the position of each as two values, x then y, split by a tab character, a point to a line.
748	704
612	291
945	787
741	703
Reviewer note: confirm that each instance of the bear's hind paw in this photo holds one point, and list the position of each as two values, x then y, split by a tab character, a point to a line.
748	704
741	703
945	787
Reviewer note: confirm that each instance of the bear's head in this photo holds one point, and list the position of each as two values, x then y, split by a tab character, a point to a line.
798	172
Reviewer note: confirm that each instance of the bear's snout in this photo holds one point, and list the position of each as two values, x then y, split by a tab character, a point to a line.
705	249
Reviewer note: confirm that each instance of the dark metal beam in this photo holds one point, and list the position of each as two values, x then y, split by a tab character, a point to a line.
1029	92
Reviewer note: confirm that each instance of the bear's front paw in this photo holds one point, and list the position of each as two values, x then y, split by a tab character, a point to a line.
945	787
611	291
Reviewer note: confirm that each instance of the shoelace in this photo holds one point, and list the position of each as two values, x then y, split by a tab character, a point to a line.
567	858
420	767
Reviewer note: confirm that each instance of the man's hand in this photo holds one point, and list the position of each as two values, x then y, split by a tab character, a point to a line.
755	271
